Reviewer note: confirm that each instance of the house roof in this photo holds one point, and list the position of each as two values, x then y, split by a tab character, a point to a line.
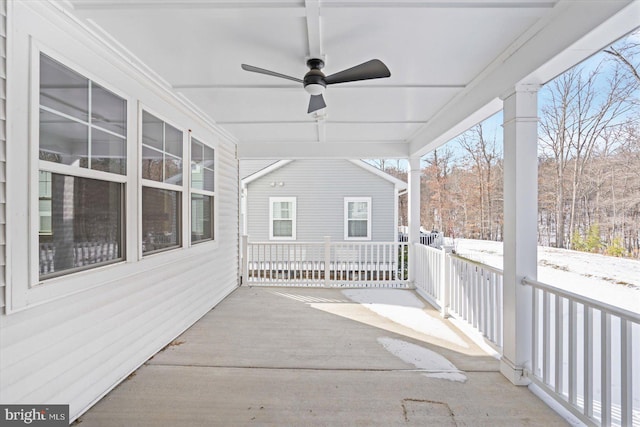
450	62
399	184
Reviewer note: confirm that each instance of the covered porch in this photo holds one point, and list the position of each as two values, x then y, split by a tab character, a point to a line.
283	356
274	356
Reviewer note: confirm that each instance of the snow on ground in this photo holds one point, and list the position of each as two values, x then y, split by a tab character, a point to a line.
405	308
615	281
435	365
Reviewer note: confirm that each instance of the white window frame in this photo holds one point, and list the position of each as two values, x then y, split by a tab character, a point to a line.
183	193
348	200
294	209
213	193
37	165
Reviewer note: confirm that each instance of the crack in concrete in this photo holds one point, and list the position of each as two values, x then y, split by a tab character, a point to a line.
433	402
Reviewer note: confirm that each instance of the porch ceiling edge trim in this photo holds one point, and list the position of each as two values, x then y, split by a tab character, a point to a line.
398	184
263	172
323	150
562	31
252	4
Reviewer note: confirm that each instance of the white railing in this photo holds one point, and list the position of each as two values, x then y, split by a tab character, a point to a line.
475	296
429	273
582	355
462	288
326	264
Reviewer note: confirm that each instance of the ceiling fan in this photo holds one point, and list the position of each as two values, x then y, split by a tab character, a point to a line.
315	81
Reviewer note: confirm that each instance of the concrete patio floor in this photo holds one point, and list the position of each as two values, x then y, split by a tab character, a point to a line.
303	357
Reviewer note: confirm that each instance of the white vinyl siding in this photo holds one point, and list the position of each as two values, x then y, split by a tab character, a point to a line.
282	218
320	187
3	143
75	338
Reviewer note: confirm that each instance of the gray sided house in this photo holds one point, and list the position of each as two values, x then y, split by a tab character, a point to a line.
308	200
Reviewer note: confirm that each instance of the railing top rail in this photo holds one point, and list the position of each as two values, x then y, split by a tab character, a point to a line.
286	242
332	242
598	305
477	263
427	248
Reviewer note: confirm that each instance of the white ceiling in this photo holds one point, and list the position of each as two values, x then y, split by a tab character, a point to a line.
449	63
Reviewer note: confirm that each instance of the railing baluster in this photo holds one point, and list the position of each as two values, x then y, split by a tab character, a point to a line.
546	338
588	361
573	353
626	373
558	344
605	368
535	336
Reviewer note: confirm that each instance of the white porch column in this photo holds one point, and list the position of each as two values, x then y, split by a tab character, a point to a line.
520	227
413	213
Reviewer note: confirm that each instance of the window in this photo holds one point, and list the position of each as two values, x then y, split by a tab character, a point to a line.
202	191
282	218
162	185
160	219
82	167
357	218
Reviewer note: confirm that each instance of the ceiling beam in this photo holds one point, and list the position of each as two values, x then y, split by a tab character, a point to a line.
314	37
442	4
180	4
252	4
333	88
326	150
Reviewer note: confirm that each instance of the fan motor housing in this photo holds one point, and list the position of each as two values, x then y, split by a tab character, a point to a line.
315	76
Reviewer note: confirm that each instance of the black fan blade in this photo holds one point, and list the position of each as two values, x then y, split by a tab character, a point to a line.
316	103
269	73
373	69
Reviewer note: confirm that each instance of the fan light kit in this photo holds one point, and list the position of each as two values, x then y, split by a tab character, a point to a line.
315	82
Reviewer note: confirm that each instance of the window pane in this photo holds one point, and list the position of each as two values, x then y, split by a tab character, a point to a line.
357	228
282	228
160	219
45	184
108	110
208	157
358	210
108	152
196	151
85	225
152	131
62	140
172	140
202	172
172	170
201	217
281	210
208	180
151	164
63	89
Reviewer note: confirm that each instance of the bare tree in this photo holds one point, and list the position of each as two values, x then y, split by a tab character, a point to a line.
437	171
483	154
582	106
627	52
